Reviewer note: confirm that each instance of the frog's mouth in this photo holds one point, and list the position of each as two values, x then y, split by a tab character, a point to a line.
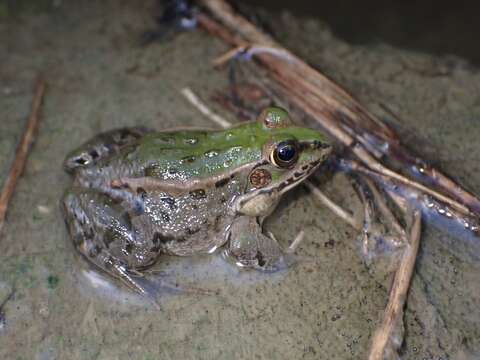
295	177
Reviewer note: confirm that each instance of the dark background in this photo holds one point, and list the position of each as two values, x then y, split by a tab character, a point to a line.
439	27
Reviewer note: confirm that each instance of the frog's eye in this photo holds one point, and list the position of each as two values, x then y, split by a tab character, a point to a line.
275	117
285	154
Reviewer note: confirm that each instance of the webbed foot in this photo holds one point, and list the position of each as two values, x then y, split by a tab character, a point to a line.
249	247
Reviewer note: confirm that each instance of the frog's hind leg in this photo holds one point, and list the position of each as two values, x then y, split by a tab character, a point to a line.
101	146
101	238
131	278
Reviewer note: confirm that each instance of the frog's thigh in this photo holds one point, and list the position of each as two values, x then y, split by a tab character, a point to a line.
251	248
103	145
100	232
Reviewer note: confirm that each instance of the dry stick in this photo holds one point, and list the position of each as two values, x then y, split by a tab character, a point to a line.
22	150
394	189
2	307
190	96
368	214
330	100
394	311
203	108
336	209
378	204
294	245
384	209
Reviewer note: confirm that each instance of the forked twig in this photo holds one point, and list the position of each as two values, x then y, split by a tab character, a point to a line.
22	150
384	209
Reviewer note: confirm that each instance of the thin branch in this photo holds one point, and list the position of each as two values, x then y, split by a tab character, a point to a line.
330	204
387	175
7	299
195	100
296	242
384	209
22	150
2	307
384	337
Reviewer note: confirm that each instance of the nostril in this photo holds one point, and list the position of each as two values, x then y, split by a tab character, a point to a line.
94	154
81	160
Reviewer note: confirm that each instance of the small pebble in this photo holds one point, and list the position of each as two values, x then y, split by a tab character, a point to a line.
44	210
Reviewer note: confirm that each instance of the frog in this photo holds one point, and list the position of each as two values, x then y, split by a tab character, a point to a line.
138	194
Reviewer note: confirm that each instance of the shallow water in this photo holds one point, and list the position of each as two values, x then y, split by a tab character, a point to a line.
326	307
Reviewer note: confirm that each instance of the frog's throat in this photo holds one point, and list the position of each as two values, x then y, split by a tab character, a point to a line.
258	202
175	187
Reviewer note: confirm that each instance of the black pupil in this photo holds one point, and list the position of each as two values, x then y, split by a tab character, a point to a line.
286	152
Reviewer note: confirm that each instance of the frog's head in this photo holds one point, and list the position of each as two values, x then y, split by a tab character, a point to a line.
289	154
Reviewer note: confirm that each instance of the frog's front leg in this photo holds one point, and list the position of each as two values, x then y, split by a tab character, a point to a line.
101	146
250	247
102	231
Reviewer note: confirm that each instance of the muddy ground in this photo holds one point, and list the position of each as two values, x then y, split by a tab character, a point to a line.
100	77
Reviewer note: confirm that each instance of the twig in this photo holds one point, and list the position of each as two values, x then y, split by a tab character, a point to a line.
22	150
195	100
379	221
336	209
383	340
7	299
402	194
382	171
2	307
389	176
294	245
384	209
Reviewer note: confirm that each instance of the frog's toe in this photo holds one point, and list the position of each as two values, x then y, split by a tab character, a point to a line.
260	260
282	262
154	288
140	284
132	278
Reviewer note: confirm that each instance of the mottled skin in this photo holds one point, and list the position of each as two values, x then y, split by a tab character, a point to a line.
138	194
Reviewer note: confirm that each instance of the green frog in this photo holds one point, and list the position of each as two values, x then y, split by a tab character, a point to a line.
137	194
